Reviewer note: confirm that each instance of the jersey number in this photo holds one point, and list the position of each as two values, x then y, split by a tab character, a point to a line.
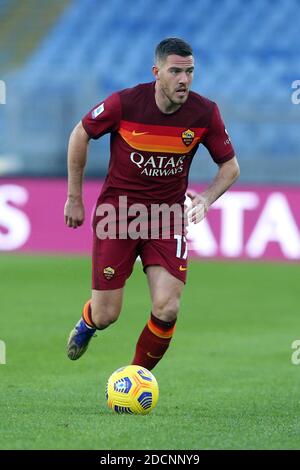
181	245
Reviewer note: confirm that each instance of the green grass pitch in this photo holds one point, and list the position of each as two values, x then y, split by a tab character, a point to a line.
227	381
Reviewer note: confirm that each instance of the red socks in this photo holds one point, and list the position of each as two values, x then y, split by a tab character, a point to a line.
153	342
87	314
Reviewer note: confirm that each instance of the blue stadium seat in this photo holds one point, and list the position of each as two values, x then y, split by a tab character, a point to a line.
245	55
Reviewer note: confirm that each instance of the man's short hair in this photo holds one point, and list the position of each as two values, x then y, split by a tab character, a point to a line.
170	46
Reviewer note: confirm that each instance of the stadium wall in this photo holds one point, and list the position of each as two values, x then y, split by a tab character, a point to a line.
248	222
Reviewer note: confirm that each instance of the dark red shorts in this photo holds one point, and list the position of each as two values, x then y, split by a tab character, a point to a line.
113	259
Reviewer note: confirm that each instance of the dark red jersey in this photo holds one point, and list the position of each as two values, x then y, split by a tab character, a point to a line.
151	152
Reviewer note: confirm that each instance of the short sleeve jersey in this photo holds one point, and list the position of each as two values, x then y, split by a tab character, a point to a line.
151	152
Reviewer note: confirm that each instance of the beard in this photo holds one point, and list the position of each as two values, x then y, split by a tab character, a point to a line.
178	96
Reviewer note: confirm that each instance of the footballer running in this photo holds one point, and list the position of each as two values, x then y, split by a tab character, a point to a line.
155	130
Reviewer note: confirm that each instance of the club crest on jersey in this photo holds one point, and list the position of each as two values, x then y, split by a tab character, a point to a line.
188	137
108	272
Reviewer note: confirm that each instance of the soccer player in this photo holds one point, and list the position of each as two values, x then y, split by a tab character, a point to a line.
156	129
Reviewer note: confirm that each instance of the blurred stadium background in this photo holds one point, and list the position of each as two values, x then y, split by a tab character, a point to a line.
58	58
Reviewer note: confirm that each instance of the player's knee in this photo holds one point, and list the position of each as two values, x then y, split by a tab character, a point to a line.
166	309
104	316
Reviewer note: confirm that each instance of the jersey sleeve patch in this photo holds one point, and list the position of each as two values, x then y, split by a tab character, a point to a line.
97	111
104	117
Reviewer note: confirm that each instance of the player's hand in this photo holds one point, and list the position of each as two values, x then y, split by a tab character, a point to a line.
197	209
74	212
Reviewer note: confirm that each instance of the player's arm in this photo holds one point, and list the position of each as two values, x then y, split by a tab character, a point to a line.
77	155
102	119
227	174
217	142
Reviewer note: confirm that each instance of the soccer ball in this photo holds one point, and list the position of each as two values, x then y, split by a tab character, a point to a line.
132	389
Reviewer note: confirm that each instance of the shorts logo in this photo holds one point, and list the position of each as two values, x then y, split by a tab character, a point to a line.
108	272
188	137
182	268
